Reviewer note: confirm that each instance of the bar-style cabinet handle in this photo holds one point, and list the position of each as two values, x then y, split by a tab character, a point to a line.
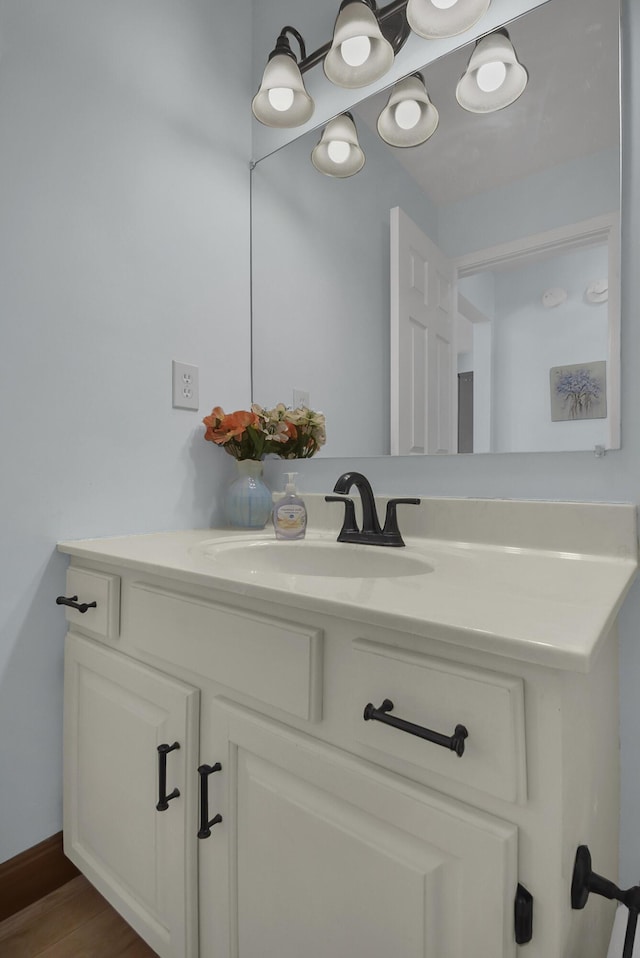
72	602
454	742
163	798
204	772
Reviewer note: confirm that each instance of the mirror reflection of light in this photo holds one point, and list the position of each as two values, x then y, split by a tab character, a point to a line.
338	151
355	51
491	76
444	4
281	98
407	114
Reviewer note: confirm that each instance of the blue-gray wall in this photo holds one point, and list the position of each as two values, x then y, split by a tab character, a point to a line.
124	243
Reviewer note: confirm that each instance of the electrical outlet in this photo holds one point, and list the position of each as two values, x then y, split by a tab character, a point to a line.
185	385
300	398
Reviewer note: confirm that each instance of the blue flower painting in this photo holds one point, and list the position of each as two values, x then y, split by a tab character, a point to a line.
579	392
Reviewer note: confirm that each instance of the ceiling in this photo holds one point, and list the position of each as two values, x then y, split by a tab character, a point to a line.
569	109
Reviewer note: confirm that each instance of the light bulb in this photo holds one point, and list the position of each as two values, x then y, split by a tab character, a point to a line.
281	98
491	76
355	51
444	4
338	151
407	114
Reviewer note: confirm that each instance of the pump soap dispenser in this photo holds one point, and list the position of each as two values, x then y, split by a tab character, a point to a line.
290	513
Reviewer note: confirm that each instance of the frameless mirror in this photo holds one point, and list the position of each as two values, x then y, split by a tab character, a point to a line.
463	295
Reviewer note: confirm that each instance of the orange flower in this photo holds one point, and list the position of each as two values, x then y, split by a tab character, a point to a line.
220	428
212	422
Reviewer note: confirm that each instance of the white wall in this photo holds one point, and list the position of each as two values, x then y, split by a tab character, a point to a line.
570	476
124	243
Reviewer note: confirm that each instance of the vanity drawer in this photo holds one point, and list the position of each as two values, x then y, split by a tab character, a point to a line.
274	661
440	695
101	588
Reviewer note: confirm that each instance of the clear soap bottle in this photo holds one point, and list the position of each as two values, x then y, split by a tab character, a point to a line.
290	513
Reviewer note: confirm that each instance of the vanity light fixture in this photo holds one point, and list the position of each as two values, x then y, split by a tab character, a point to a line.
409	118
364	44
494	77
365	41
338	153
282	100
434	19
359	53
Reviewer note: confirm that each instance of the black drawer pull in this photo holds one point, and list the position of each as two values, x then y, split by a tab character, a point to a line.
73	603
454	742
205	825
163	798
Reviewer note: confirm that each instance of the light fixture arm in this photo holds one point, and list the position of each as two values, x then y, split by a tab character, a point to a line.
283	47
396	32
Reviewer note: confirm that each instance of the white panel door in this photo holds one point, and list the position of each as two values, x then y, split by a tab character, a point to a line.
333	857
423	350
144	861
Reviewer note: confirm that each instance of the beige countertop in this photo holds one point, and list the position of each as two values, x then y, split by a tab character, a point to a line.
507	597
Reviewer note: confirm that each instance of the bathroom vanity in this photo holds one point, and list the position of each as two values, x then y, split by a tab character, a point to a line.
224	791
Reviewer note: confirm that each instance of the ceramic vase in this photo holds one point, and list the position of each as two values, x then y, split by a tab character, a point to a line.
248	502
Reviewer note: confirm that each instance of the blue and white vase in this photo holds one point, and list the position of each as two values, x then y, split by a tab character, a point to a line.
248	501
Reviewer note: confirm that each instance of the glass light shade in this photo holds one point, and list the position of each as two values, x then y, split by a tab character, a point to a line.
434	19
474	91
394	129
338	153
281	75
357	20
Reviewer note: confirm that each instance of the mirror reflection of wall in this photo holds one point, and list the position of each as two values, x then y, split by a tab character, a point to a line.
527	336
501	182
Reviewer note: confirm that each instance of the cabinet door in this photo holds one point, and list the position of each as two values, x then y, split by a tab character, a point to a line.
144	861
334	856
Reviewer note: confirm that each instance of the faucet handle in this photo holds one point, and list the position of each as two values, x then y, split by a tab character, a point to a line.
349	526
391	532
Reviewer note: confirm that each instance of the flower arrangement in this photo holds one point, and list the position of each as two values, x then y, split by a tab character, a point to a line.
256	433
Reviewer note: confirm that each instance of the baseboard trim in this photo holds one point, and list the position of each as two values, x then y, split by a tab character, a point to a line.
33	874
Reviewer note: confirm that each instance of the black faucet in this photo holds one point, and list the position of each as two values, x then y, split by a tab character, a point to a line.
371	534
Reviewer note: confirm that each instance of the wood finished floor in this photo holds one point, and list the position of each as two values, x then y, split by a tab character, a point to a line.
72	922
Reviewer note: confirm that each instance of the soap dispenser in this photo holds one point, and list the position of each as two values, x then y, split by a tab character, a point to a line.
290	513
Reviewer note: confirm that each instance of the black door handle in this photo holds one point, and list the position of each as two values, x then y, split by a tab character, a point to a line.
163	798
204	772
454	742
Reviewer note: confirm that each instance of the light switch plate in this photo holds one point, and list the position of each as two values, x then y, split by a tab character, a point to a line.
185	385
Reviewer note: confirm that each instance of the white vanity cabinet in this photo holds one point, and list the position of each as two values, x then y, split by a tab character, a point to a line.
333	855
323	834
117	713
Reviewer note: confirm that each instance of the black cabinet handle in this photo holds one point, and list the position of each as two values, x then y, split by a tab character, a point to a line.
73	603
163	798
205	825
454	742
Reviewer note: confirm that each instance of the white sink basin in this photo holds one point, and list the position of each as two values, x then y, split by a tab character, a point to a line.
314	557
